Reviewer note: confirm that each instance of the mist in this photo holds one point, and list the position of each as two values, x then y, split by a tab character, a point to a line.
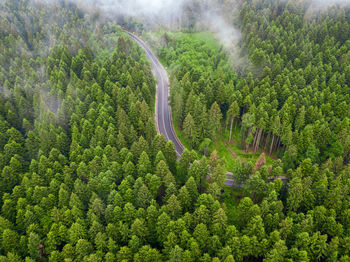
318	6
171	15
325	3
151	8
157	12
221	22
216	16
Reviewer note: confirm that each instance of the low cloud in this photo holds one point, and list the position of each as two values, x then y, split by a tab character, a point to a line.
226	33
149	11
325	3
317	6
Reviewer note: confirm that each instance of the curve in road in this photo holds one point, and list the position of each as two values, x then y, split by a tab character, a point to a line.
163	110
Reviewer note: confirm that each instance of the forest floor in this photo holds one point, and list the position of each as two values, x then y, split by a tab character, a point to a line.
208	37
233	151
230	151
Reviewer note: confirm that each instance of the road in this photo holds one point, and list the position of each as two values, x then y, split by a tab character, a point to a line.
163	111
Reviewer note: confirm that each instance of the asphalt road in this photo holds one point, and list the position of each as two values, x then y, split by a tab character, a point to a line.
163	110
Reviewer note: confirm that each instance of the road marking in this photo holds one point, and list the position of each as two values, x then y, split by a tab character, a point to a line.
156	66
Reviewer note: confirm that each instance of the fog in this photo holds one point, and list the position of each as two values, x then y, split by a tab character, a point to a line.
206	15
317	6
324	3
155	8
147	11
216	16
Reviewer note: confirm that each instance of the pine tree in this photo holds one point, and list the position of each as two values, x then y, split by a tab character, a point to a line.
190	130
232	113
215	117
173	207
144	197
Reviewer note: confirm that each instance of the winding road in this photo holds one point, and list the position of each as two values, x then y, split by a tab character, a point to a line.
163	116
163	110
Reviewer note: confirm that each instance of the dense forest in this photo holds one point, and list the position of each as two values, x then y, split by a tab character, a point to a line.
84	176
295	98
200	82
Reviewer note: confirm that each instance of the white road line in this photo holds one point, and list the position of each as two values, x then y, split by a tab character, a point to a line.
156	66
158	69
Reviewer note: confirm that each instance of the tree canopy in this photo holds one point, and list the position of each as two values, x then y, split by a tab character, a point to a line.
85	177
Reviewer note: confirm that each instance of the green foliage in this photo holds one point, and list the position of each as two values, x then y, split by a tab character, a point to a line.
195	79
84	177
294	101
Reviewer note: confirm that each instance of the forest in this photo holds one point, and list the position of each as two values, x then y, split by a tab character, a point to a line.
84	176
292	101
